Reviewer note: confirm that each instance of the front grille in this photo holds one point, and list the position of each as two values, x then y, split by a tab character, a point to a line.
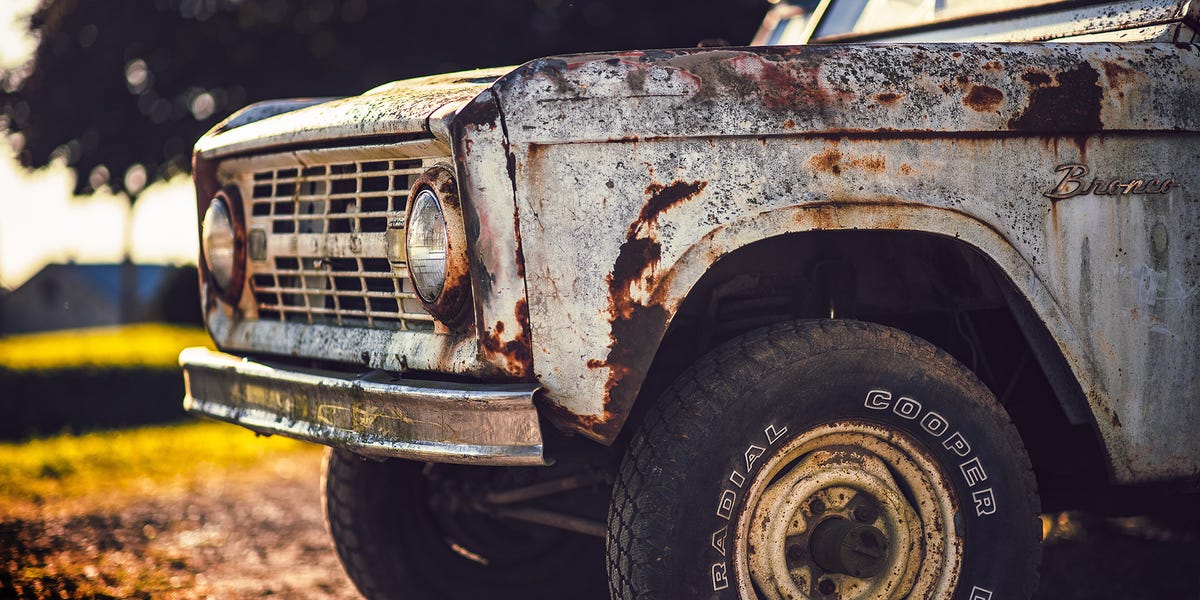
353	197
325	227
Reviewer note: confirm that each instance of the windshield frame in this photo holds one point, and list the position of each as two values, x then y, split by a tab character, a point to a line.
1034	7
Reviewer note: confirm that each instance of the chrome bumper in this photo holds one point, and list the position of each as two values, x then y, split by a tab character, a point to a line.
373	414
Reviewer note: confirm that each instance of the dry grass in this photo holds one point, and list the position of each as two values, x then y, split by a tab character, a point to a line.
145	345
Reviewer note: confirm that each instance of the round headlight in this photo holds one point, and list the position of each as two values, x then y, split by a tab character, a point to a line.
427	243
218	243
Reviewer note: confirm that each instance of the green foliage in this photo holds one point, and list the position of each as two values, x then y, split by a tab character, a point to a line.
132	84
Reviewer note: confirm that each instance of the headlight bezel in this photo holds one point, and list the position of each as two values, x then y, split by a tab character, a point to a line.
452	305
230	199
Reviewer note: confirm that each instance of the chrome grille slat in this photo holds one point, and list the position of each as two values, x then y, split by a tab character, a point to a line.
326	226
301	310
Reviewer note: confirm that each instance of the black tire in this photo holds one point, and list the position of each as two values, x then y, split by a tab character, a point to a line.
393	545
723	422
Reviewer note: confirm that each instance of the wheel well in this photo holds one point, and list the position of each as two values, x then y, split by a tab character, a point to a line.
932	286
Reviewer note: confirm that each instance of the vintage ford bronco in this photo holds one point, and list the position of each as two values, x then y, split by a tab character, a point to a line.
835	315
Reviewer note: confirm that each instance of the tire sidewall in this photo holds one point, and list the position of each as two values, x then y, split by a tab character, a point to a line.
994	499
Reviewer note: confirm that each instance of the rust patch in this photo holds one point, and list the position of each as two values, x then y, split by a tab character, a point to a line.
983	98
636	328
453	306
635	78
602	428
1118	76
662	198
1036	78
834	162
873	164
637	258
789	124
1072	104
888	98
827	161
517	352
992	66
906	169
783	86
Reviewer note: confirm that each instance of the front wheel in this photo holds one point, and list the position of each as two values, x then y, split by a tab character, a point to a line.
825	460
402	531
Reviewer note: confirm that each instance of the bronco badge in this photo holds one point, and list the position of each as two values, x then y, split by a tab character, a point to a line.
1072	184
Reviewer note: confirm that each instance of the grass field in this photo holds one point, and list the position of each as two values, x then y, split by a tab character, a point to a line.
143	345
88	379
68	474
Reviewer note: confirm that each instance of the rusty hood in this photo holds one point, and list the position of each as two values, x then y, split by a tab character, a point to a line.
846	89
402	108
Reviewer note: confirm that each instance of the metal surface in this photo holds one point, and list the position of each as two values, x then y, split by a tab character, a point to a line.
545	488
868	477
668	160
395	109
324	227
327	277
486	172
374	414
266	109
1050	21
452	306
551	519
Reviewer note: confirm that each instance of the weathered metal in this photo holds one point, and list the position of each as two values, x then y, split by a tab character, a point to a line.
230	198
1122	20
373	413
688	155
821	481
548	518
399	109
486	169
320	210
452	306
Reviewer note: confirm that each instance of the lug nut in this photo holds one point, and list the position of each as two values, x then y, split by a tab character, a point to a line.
866	513
826	586
817	506
795	553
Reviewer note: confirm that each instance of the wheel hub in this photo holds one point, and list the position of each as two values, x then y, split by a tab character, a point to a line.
849	511
840	545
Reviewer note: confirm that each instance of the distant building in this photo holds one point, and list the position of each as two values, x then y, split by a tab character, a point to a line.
90	295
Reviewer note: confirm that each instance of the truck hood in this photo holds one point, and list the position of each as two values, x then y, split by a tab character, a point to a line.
399	108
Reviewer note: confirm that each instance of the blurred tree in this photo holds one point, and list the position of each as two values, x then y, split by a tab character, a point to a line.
120	89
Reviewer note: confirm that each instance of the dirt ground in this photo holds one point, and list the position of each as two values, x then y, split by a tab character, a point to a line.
261	535
239	537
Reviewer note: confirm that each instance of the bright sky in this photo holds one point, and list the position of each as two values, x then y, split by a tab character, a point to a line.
41	222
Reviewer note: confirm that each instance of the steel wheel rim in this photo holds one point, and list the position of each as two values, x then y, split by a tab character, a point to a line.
848	464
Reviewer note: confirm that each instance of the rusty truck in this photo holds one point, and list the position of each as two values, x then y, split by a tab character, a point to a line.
837	314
